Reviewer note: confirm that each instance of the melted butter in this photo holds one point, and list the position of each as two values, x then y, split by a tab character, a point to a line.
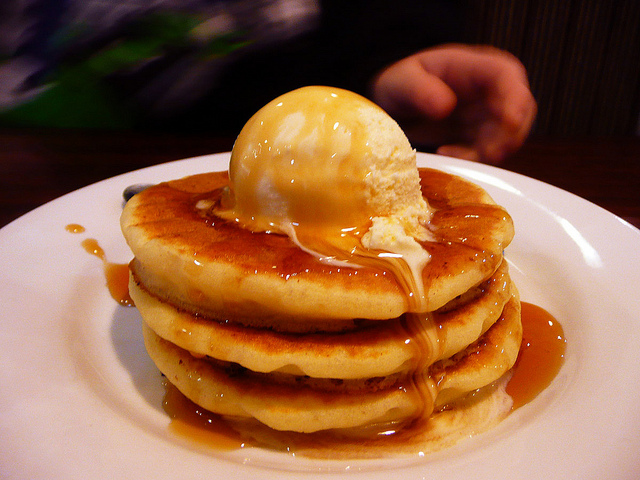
116	275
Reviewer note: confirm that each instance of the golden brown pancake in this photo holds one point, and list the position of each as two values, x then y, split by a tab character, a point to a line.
372	349
212	267
296	403
483	362
249	325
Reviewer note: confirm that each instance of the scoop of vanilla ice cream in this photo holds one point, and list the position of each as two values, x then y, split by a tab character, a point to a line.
326	158
337	174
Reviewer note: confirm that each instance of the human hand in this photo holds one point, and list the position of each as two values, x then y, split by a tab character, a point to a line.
473	102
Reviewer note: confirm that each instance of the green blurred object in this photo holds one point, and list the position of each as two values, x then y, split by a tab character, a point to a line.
78	94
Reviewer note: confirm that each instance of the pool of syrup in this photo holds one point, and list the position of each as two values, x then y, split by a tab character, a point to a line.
541	355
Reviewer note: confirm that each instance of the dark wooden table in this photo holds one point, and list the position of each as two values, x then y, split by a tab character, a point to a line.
38	166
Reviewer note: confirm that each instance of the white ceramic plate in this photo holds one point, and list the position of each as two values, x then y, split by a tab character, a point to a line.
79	397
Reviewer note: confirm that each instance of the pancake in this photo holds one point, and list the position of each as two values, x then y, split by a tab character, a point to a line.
249	325
299	404
370	349
483	362
209	266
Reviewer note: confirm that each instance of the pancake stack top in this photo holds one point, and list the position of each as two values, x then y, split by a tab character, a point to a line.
324	282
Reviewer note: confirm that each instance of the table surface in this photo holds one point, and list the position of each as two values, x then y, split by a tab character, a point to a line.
39	166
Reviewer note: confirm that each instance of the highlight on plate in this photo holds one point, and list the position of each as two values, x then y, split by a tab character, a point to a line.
325	295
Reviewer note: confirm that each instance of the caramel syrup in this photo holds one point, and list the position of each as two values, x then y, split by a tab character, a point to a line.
419	329
541	355
74	228
116	274
188	420
215	432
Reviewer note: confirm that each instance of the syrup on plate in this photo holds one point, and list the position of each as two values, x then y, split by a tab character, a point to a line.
116	274
541	354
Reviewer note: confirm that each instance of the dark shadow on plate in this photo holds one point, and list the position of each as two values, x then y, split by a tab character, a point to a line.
128	343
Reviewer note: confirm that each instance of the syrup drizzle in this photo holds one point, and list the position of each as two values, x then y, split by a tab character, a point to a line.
204	427
116	274
343	247
198	425
420	330
541	355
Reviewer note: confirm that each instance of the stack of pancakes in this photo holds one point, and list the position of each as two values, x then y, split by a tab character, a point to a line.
247	324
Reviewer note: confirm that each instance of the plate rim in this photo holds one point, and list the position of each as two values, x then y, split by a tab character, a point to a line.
458	167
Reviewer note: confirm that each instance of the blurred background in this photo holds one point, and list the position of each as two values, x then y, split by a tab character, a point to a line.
127	63
94	88
583	59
